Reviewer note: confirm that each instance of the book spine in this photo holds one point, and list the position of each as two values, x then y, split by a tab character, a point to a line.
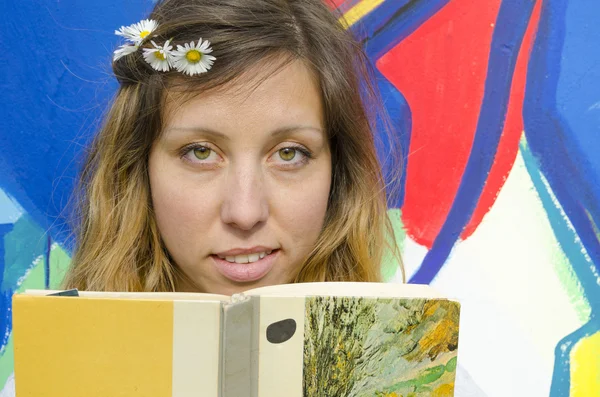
239	351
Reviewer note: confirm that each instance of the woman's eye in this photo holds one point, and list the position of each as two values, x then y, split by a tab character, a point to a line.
291	156
202	153
287	154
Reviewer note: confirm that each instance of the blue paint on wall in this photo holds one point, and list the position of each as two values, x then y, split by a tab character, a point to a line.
381	30
394	159
397	23
572	176
578	90
5	296
57	82
379	19
552	114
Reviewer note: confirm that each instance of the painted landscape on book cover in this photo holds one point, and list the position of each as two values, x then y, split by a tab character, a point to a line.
359	347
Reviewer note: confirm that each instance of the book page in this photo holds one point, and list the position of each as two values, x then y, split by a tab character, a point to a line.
376	290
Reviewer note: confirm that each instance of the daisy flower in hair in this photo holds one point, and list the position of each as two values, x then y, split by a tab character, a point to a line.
159	57
138	31
124	50
193	58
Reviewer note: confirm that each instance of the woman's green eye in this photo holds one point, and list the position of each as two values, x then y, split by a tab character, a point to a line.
202	153
287	154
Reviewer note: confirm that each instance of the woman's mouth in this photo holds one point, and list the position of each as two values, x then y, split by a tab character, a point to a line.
243	268
250	258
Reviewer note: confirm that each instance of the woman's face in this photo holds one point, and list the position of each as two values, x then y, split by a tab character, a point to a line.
240	180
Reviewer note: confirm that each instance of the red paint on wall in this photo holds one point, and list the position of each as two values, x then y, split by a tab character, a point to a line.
441	70
513	128
333	4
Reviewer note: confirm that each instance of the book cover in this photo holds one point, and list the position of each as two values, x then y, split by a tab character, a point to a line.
78	346
316	340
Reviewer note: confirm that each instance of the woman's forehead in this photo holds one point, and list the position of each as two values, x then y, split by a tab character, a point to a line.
290	95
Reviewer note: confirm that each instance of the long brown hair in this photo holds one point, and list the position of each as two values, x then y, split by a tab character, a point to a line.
118	242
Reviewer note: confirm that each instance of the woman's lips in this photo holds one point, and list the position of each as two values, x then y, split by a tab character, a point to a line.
245	272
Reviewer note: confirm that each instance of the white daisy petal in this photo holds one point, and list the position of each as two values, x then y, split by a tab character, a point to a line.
126	32
121	31
124	50
138	31
204	45
159	57
192	58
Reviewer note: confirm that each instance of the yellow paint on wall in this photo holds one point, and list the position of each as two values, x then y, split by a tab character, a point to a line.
95	348
585	367
358	11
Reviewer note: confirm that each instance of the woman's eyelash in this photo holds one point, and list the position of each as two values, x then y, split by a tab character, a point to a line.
301	149
187	148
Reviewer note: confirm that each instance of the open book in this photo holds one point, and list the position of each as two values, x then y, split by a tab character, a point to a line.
311	340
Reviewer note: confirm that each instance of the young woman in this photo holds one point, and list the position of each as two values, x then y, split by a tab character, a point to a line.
239	152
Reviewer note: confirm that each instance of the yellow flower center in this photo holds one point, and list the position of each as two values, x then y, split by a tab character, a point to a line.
159	55
144	33
193	56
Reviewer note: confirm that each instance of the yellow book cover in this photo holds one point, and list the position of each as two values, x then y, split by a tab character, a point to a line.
84	346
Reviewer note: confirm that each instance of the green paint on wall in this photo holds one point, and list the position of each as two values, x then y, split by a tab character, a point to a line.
59	264
560	262
570	283
389	265
23	245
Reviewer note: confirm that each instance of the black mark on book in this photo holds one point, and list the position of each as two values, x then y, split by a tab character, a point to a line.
281	331
70	292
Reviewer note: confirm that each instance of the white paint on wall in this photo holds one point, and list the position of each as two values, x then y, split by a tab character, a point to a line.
515	307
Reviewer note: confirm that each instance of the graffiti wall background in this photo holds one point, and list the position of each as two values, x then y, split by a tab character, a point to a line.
497	104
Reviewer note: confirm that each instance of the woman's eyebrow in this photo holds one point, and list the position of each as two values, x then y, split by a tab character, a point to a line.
203	131
219	135
294	128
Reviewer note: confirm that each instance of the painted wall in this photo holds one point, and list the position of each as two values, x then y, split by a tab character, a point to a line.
497	103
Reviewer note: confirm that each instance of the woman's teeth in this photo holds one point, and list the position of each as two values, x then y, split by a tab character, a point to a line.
245	258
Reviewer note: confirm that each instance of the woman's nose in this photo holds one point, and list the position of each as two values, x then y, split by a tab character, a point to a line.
245	203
